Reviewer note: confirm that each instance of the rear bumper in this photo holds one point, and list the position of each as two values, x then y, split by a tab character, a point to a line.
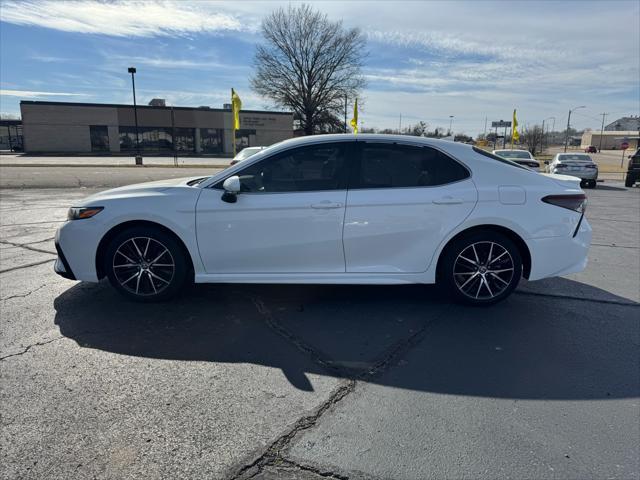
582	175
555	256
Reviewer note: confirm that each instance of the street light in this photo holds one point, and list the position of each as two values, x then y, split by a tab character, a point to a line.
566	137
132	71
543	135
450	124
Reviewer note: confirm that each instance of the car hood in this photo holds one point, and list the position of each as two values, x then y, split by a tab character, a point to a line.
141	189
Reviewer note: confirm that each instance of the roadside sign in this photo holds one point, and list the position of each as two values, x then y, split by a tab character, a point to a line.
624	145
501	124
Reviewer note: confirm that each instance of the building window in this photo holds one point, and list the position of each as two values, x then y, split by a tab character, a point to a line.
99	138
245	138
184	139
157	139
211	140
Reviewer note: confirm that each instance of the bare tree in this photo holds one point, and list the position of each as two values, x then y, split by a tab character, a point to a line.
532	137
309	65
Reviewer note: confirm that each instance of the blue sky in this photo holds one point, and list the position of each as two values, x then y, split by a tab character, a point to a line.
426	60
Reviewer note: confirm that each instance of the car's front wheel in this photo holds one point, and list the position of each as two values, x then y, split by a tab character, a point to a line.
481	268
146	264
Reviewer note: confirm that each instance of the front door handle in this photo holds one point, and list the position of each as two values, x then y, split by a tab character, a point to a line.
326	204
448	201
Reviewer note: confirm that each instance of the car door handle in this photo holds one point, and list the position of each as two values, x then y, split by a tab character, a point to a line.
326	204
448	201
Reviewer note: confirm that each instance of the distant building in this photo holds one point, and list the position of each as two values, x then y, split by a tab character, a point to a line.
624	124
157	102
11	135
64	127
611	140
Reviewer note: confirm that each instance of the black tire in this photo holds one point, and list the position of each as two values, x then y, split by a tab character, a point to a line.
629	180
488	285
591	184
146	264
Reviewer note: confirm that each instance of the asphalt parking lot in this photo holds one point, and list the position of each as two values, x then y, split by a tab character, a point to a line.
240	381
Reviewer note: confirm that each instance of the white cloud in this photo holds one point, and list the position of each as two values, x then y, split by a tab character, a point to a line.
120	18
32	94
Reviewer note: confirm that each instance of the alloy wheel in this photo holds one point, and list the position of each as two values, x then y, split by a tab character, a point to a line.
483	270
143	266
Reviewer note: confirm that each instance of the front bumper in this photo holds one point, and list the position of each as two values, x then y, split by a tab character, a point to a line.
61	267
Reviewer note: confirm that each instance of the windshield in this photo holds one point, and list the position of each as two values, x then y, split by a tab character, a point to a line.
581	157
513	154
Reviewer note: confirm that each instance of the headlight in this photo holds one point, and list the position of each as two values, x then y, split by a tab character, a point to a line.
78	213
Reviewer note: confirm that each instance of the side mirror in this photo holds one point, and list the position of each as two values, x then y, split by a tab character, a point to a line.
546	162
231	189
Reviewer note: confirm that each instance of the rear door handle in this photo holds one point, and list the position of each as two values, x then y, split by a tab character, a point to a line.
448	201
326	205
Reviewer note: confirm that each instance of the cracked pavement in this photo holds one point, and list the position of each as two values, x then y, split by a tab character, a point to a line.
310	382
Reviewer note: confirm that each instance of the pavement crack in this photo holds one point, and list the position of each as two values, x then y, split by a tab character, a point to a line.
27	246
20	267
22	295
29	347
629	303
275	452
273	455
320	472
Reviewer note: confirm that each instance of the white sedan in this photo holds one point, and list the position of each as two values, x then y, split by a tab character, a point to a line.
335	209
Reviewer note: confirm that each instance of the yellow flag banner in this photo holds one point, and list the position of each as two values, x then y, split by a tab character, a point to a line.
514	129
236	105
354	120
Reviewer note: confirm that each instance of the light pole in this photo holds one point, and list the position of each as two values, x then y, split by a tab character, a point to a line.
132	71
450	124
566	137
543	136
602	131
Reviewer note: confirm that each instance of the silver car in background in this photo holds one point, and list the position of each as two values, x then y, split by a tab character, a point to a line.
578	165
246	153
521	157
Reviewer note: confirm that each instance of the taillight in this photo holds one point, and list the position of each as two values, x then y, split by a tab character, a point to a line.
577	203
591	165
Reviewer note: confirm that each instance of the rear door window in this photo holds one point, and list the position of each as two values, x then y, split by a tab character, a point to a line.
387	165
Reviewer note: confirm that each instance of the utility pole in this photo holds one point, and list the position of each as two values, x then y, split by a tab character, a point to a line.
566	136
132	71
400	126
345	113
602	131
485	128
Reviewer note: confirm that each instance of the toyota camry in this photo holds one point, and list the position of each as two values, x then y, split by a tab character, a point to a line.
335	209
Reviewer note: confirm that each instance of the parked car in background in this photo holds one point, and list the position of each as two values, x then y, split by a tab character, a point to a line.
578	165
633	169
245	153
335	209
521	157
591	149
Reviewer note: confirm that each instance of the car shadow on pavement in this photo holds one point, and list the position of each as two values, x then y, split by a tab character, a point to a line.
527	347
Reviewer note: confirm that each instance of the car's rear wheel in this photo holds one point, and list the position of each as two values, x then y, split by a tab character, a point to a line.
146	264
629	180
481	268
